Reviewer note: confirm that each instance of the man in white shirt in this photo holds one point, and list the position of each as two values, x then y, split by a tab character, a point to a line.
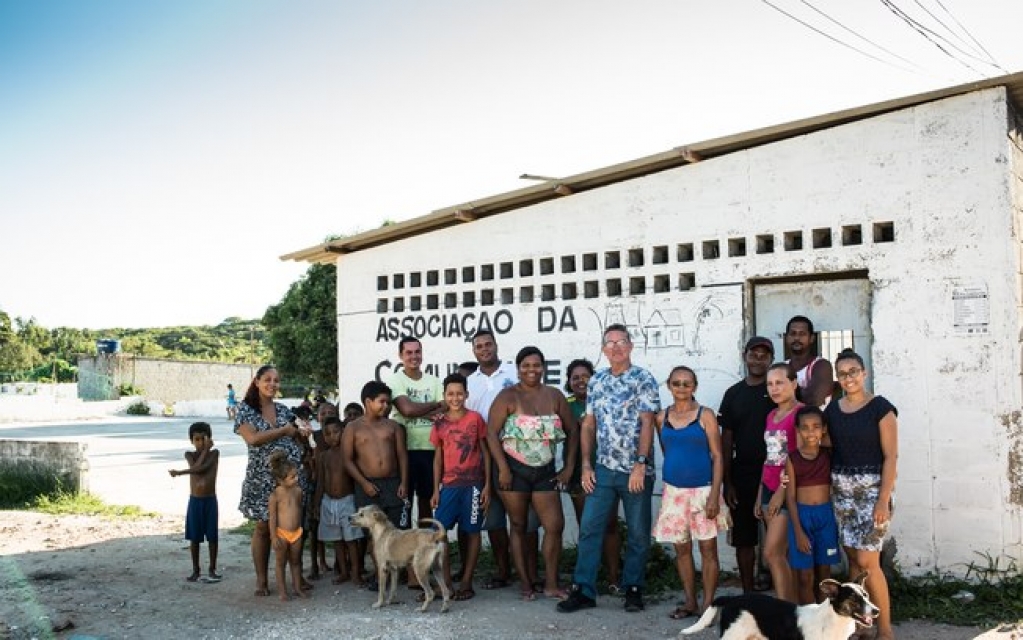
485	383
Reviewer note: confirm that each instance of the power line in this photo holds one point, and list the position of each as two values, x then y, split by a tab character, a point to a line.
967	32
832	38
939	21
861	37
923	32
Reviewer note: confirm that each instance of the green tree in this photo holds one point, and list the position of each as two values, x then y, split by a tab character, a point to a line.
302	328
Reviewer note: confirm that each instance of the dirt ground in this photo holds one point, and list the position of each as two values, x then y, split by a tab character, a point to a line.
119	578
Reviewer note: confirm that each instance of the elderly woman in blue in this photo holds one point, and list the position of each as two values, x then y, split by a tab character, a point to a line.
266	426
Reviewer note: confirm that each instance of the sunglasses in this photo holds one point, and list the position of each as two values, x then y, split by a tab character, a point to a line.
683	383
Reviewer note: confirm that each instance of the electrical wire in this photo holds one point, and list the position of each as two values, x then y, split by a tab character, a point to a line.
832	38
923	31
967	32
861	37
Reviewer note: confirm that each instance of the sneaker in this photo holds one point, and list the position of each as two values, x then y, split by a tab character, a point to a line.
634	600
575	601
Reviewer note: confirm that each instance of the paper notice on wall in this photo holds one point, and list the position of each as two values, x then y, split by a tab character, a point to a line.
971	309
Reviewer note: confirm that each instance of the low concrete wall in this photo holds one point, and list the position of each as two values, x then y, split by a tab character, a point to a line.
66	459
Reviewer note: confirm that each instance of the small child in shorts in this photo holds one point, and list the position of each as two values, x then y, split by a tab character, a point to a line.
813	535
286	523
461	468
334	503
202	517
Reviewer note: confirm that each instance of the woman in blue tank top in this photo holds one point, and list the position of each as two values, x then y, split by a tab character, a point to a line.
691	506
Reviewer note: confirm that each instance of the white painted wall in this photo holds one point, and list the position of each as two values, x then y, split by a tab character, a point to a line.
945	174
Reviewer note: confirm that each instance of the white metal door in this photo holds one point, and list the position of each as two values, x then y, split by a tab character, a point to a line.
839	309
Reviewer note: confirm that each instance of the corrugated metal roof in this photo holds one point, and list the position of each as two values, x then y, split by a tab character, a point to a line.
504	202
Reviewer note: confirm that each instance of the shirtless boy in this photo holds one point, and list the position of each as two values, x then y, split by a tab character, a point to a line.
201	520
286	523
334	502
376	457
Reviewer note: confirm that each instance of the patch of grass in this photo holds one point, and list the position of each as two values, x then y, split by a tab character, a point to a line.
997	595
23	481
244	529
85	504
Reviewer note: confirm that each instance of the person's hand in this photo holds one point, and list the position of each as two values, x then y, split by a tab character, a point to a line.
588	479
370	489
173	473
882	514
774	506
402	491
713	507
637	478
803	542
434	501
504	479
279	544
485	498
784	480
758	511
563	478
730	498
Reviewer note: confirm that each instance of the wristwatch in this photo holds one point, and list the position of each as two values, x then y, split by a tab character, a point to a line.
642	460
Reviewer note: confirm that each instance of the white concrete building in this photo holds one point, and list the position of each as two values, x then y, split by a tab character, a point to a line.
895	227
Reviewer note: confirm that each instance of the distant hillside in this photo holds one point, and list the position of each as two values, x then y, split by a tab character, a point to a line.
29	351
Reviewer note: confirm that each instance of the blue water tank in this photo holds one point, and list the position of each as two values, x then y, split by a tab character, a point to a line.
108	346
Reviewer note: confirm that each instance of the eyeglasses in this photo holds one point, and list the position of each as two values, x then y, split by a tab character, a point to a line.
850	373
683	383
622	342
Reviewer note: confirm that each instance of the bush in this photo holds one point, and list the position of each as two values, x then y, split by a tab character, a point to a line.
23	482
139	408
128	389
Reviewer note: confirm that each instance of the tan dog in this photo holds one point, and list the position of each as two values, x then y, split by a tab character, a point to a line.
394	549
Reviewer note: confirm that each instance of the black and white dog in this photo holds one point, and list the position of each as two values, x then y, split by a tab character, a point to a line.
753	615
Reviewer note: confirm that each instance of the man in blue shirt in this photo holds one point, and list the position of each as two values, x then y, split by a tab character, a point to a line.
621	402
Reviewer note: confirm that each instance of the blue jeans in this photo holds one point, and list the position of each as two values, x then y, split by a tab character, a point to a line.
609	486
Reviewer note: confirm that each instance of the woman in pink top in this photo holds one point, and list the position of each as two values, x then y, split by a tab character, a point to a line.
780	436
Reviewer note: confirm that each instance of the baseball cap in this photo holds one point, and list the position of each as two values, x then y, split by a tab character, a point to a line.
759	341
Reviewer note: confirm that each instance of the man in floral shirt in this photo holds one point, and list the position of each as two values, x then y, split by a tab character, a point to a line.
621	402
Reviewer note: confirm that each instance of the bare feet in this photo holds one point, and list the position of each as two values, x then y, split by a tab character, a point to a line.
285	597
261	592
301	594
340	579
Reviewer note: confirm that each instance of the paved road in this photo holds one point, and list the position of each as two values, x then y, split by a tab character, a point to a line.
129	459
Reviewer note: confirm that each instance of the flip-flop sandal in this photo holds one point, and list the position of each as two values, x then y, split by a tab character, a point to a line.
463	594
559	595
495	582
681	613
528	596
538	586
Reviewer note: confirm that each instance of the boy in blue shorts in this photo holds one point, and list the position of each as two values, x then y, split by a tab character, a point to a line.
461	472
813	535
202	517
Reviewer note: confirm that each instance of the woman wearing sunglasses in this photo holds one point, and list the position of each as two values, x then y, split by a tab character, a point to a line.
691	507
864	431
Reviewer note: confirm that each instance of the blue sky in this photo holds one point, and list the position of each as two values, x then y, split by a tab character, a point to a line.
157	158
